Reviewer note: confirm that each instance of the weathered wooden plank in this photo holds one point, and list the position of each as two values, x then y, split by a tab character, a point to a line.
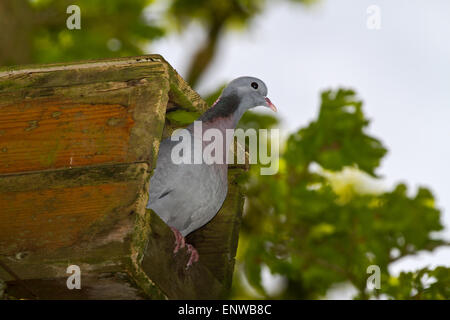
57	209
62	117
105	286
182	96
109	115
78	142
63	135
93	259
30	79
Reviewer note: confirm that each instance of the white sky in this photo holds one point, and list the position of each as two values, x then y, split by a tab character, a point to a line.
402	72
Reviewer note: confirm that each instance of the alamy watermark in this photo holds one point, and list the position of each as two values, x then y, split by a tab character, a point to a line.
74	20
212	146
74	280
374	280
373	21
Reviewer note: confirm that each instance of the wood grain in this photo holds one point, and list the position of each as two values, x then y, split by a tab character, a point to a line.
78	143
46	211
62	135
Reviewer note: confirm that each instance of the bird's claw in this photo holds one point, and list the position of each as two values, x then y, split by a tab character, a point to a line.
180	242
194	255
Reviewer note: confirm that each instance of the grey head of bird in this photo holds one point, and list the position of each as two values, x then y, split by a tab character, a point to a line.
251	91
239	95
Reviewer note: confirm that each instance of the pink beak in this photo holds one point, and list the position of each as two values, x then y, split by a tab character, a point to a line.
271	105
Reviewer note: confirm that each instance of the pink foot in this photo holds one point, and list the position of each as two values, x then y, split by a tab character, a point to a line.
179	240
194	255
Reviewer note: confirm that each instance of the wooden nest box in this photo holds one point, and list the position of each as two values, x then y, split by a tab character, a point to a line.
78	143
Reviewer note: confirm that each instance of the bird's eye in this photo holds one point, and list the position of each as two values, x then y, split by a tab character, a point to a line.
254	85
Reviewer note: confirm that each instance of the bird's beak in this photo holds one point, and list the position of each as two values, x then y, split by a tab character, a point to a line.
270	104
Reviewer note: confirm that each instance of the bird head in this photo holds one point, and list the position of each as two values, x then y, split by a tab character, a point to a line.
251	93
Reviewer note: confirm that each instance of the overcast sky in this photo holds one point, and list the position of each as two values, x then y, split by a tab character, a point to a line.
401	71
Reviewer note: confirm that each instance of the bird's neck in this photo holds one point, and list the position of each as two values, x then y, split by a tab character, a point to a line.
226	111
222	124
220	118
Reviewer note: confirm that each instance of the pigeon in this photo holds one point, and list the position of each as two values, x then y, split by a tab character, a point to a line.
186	196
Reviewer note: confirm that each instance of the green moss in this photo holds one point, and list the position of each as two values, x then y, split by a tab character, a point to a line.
138	247
5	84
33	124
56	114
182	117
115	122
50	158
78	176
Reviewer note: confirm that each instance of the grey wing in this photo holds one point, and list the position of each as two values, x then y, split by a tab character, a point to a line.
165	176
169	196
185	196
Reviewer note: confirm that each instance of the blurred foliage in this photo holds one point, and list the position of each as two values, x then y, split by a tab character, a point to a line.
34	31
337	138
310	224
315	223
422	284
37	32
